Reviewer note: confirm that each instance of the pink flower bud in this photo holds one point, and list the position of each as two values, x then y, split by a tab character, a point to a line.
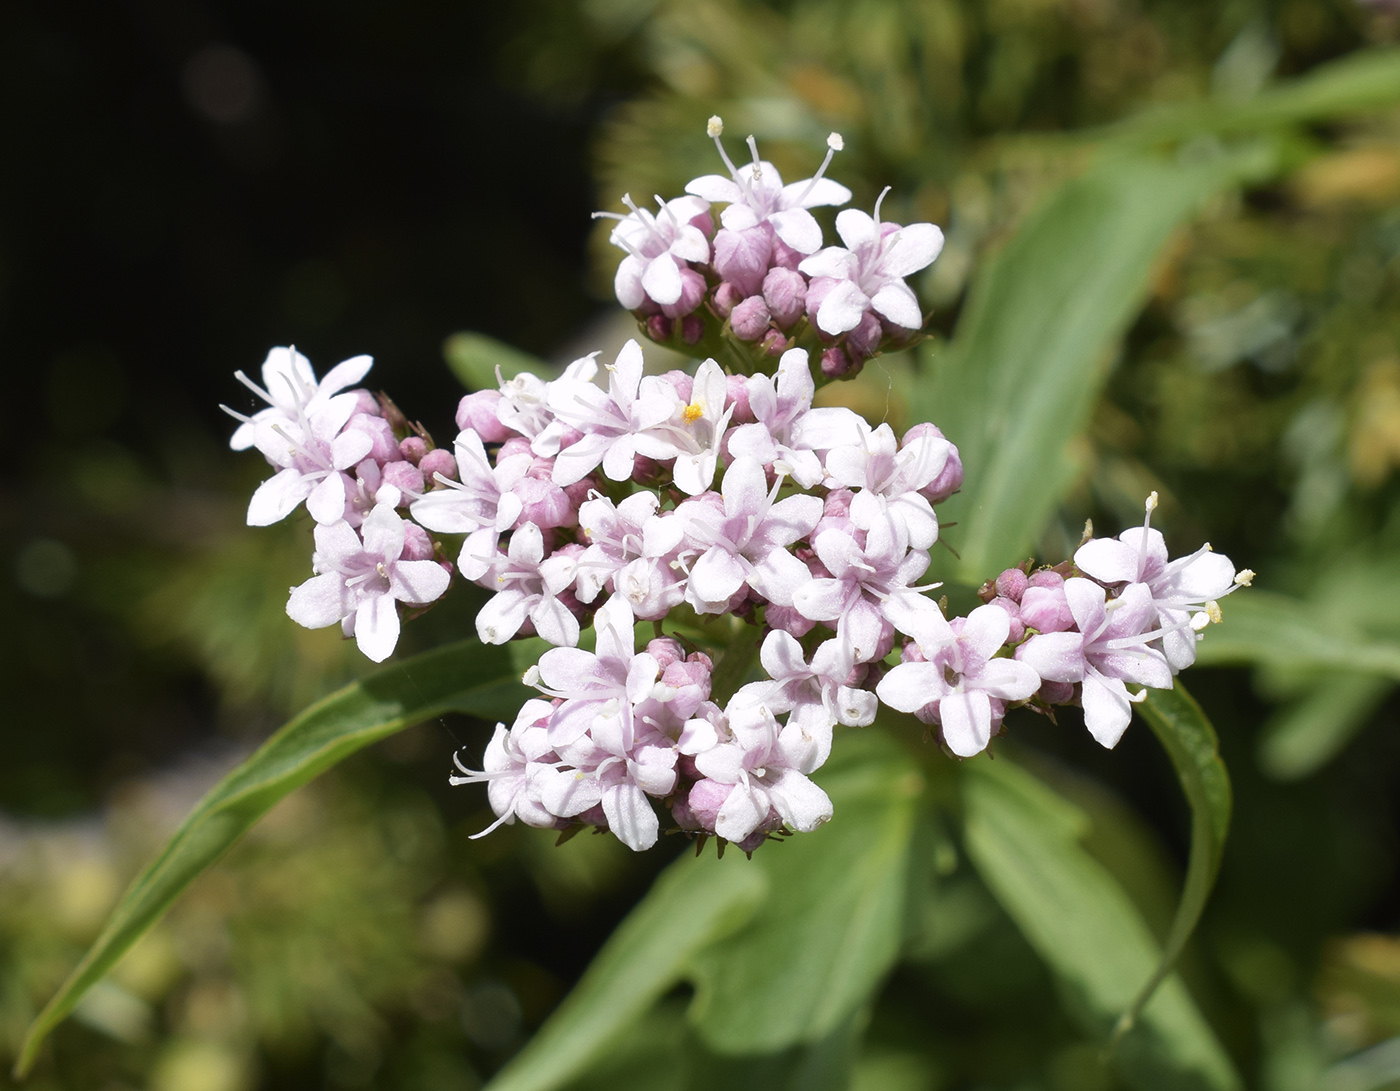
785	292
837	364
1046	609
705	799
737	396
579	490
413	448
478	412
817	291
742	256
438	461
692	292
417	546
784	256
404	476
543	503
1046	578
1056	693
864	340
681	382
365	402
705	222
1018	627
385	445
788	620
750	319
665	650
774	343
950	479
692	329
726	296
1012	584
515	445
659	328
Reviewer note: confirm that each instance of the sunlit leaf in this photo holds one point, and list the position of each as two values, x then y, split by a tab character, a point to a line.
462	677
1030	353
1263	627
1024	840
1359	82
1189	740
692	903
833	922
474	359
785	948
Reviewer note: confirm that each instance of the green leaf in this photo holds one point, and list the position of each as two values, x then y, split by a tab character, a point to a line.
1262	627
1024	840
785	948
1189	740
1300	739
833	922
1359	82
1031	351
462	677
474	358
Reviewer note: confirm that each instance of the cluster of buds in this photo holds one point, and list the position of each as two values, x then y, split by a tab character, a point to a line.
761	282
709	503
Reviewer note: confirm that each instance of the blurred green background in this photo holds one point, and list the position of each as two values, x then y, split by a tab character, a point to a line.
189	184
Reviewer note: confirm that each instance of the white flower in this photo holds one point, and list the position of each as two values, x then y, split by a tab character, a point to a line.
869	270
756	195
360	582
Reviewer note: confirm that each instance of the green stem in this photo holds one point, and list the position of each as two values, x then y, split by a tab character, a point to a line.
734	664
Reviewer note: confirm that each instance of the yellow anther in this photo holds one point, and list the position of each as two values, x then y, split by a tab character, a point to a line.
1244	577
1152	500
693	412
1213	612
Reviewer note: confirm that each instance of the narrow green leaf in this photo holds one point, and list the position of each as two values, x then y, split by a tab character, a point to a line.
1189	740
1300	739
784	948
1264	627
834	918
474	358
693	903
1359	82
1024	840
1030	354
462	677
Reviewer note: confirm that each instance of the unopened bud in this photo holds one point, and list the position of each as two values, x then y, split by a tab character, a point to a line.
417	546
692	329
1012	584
837	364
750	319
785	292
413	448
726	296
659	328
774	343
438	461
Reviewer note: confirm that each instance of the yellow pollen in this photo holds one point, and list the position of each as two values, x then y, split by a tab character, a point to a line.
693	412
1244	577
1213	612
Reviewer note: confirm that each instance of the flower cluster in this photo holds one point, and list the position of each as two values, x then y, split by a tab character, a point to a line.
678	498
761	277
725	510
